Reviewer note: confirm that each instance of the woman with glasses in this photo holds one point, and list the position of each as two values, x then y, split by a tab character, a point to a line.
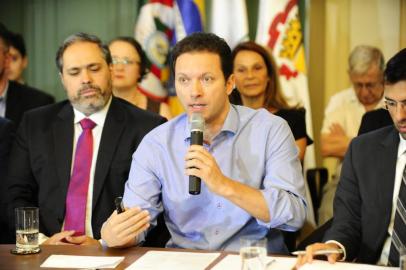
129	68
257	82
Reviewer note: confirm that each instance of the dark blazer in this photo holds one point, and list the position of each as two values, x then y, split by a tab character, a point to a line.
375	119
21	98
40	161
6	137
363	200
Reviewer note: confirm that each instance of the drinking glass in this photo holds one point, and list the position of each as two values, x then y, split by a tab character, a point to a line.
402	258
253	253
27	230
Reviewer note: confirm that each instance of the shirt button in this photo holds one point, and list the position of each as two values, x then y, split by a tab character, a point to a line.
216	232
219	205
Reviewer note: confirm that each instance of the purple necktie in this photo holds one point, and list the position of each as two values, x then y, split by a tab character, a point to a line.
76	199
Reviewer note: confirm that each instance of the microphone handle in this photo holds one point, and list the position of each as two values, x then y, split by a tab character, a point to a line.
196	137
194	185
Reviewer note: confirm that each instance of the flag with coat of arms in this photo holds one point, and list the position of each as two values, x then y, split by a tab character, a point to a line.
279	28
160	24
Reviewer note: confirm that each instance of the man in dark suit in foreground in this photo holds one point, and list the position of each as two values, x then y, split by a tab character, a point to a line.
15	98
6	137
369	216
71	159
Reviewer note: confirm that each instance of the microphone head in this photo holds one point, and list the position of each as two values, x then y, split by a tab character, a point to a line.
196	122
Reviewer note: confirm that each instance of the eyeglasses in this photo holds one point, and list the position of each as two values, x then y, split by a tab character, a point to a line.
392	105
369	86
124	61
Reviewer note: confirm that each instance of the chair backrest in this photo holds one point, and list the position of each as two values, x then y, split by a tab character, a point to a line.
316	179
159	235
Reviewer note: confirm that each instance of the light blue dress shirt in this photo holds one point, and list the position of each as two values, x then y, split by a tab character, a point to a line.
253	147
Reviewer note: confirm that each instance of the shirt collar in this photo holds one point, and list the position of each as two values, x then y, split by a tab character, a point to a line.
232	121
4	96
230	124
402	146
98	117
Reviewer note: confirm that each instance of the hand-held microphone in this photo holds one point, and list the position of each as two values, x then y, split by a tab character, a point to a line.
196	137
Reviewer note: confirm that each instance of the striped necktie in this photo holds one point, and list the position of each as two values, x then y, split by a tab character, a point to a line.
399	227
75	216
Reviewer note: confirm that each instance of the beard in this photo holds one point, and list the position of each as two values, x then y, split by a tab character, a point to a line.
400	126
91	103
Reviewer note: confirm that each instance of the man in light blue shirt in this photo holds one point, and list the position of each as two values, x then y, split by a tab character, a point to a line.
251	177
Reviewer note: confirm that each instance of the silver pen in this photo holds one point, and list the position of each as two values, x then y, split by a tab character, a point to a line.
319	252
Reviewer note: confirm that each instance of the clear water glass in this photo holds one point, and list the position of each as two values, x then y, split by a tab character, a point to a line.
27	230
402	258
253	253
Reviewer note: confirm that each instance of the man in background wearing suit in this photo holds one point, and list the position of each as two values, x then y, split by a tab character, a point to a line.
71	159
369	214
15	98
6	137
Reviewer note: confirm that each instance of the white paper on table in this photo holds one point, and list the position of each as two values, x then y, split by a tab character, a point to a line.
343	266
173	260
71	261
285	263
234	262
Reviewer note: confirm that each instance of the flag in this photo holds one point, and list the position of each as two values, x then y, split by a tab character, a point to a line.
229	20
154	31
279	28
160	24
189	18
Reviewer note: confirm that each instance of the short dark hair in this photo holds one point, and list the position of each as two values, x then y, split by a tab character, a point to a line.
4	35
396	68
144	60
17	41
81	37
199	42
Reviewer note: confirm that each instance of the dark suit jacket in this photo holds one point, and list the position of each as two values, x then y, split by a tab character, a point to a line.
21	98
363	200
40	161
6	137
374	119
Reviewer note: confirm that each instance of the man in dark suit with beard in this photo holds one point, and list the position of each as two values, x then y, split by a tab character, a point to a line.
71	159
